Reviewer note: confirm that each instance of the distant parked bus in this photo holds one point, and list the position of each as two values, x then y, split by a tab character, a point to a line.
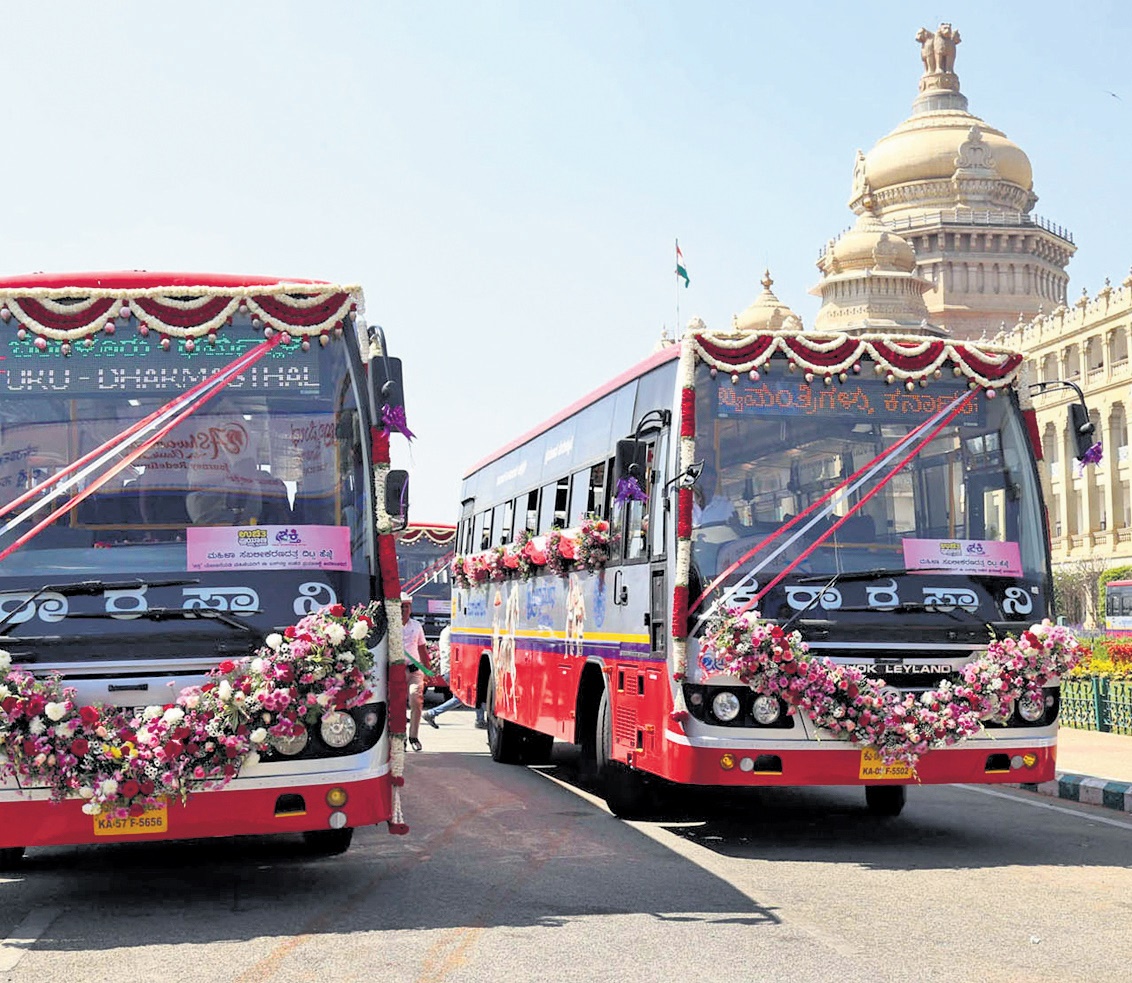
1118	607
424	560
187	472
877	495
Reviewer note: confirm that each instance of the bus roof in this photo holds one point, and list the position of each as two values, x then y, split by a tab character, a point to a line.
1119	583
140	280
667	354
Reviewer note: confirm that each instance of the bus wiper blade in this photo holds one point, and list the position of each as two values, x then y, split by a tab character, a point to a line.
175	614
877	573
906	606
84	587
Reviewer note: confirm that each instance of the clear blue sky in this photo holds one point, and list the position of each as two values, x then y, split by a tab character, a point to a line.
506	179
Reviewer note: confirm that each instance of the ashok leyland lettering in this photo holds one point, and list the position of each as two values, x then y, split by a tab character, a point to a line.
877	495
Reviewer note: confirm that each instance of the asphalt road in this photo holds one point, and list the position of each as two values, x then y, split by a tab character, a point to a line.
518	874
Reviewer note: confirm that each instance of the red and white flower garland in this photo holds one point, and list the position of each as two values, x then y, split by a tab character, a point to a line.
123	760
587	546
189	313
850	706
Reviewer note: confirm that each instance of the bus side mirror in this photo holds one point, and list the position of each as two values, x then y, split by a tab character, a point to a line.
632	455
385	386
1081	428
397	498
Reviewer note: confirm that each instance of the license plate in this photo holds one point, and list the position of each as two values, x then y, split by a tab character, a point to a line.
874	769
154	820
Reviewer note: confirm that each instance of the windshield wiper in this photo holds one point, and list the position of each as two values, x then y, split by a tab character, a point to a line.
84	587
870	574
176	614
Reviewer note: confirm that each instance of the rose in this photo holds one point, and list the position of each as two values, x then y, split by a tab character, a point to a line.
336	610
258	736
80	746
55	711
226	666
274	641
89	716
129	788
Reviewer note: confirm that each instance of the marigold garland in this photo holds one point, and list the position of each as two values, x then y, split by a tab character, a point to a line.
853	707
123	760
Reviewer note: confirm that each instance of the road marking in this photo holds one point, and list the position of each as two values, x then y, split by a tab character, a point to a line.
1048	805
25	935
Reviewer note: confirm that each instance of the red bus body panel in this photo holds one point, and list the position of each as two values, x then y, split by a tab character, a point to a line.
228	812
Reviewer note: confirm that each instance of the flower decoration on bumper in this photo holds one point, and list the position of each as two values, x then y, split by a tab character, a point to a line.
851	706
559	552
121	760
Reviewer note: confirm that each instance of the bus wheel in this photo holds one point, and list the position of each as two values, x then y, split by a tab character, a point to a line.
10	857
536	747
328	842
627	792
504	739
885	800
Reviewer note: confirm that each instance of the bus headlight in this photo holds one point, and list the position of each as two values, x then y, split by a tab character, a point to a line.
337	729
725	706
291	744
1032	708
766	709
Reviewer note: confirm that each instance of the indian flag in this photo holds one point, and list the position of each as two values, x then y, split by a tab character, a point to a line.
681	270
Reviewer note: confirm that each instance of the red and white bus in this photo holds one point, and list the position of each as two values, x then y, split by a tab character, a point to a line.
879	495
190	465
1118	607
424	563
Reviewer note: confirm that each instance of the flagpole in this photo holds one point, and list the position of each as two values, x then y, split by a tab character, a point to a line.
676	287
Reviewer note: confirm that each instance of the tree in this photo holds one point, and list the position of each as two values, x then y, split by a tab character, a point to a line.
1077	590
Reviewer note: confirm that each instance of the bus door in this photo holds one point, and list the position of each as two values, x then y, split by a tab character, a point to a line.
637	582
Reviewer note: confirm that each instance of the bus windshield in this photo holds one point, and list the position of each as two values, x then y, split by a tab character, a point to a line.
264	483
959	528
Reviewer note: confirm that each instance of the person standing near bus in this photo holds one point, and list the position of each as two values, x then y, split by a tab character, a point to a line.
416	651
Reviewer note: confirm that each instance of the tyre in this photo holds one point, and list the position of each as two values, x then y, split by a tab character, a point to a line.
10	857
513	744
627	792
504	739
328	842
885	800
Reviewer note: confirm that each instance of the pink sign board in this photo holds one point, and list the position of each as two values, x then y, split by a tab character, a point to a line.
268	547
984	557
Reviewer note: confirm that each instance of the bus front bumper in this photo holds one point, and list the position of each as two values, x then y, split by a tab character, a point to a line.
982	762
33	820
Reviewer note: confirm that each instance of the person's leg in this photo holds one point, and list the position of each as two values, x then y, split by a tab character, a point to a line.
451	703
481	715
416	704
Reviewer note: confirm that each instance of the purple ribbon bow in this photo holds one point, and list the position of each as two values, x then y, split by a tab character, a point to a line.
393	418
629	489
1093	454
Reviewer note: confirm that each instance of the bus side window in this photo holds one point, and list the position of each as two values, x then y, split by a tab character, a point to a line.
485	529
599	489
531	522
636	531
505	532
561	495
579	498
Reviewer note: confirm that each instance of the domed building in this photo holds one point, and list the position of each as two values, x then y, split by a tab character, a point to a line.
766	313
961	194
870	284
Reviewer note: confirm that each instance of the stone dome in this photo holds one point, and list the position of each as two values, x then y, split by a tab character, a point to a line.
942	156
766	313
867	246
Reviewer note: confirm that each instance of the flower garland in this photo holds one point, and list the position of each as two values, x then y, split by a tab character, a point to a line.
123	760
851	706
185	312
558	553
910	360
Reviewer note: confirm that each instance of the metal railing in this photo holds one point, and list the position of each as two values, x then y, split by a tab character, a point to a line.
1097	703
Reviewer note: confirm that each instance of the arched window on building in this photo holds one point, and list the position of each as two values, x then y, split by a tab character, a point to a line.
1095	476
1050	451
1118	346
1072	363
1118	430
1094	356
1049	367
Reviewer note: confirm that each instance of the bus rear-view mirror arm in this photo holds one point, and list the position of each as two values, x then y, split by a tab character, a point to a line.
1080	425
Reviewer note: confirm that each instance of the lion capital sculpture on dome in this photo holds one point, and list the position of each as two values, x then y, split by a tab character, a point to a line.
937	49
